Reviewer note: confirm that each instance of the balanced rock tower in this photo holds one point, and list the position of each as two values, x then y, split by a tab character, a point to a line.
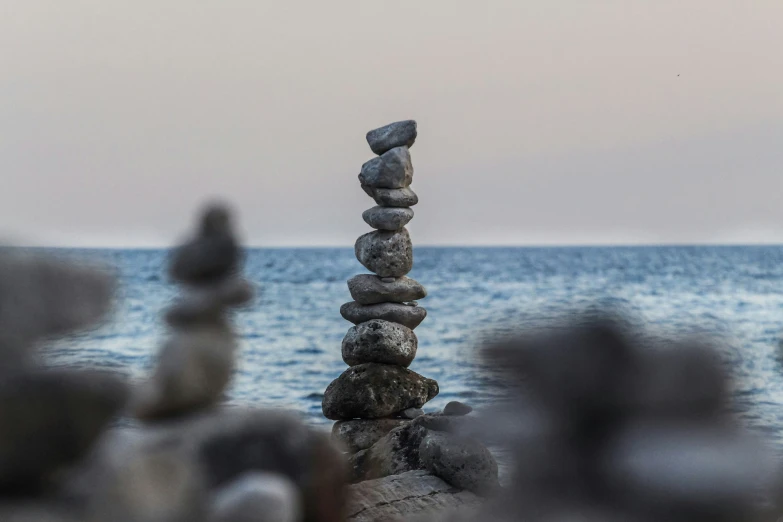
378	392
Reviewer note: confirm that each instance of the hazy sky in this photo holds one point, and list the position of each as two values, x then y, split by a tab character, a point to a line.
540	122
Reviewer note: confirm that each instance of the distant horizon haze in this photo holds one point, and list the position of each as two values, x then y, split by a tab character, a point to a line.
610	122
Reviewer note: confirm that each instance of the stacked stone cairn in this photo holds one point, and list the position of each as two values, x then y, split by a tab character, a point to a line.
377	401
196	362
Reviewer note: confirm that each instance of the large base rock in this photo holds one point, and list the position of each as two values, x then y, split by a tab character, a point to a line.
395	453
402	497
374	391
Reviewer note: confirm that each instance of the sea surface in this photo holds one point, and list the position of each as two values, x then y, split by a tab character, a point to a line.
291	338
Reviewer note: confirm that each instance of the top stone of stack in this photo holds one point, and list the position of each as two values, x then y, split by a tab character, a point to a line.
393	135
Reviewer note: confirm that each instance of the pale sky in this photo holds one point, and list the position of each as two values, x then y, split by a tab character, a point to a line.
540	122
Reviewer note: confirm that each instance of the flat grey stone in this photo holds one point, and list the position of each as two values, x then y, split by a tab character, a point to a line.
396	452
397	134
410	316
457	408
373	391
193	369
387	254
412	413
404	496
404	197
356	435
387	218
464	463
388	279
379	341
392	170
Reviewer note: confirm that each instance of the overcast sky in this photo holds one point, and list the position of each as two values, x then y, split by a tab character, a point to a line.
540	122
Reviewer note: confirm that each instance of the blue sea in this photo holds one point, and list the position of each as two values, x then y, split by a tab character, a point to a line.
291	338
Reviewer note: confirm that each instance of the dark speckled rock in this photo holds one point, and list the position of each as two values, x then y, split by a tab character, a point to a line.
404	197
395	453
379	341
356	435
387	218
406	315
464	463
392	170
397	134
388	254
373	391
368	289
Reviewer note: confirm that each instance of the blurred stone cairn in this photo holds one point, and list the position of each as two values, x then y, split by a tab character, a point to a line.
608	424
377	401
189	460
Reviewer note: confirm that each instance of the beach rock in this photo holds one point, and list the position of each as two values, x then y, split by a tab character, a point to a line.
396	452
50	419
210	256
373	391
193	369
368	289
379	341
449	423
387	218
392	170
456	408
410	316
235	442
404	496
404	197
147	483
388	254
257	497
43	296
356	435
397	134
464	463
412	413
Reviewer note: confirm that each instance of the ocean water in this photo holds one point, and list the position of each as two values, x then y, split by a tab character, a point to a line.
291	338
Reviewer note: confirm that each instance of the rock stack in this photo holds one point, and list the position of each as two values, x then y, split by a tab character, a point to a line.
196	362
377	393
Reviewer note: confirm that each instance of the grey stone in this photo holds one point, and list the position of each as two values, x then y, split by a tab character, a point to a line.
211	255
193	369
407	495
397	134
404	197
387	218
404	496
379	341
392	170
412	413
449	423
457	408
388	254
373	391
396	452
410	316
464	463
258	497
368	289
42	296
50	419
356	435
208	304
